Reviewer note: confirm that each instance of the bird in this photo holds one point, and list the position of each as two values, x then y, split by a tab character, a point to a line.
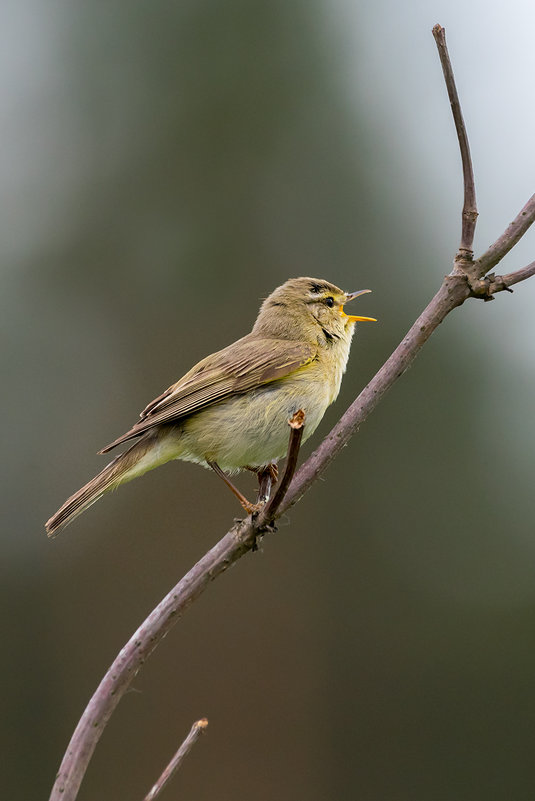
230	412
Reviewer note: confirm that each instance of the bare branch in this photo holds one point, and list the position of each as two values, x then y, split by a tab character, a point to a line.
512	234
124	668
469	215
518	276
487	286
197	729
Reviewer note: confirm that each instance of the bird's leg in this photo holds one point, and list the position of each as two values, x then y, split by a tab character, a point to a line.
267	476
249	507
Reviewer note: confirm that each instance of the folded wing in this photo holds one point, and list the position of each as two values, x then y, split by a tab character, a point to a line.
246	364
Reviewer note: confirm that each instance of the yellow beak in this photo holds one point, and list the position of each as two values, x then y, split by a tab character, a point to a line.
351	318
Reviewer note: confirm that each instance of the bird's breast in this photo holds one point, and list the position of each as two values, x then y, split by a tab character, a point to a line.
332	363
252	429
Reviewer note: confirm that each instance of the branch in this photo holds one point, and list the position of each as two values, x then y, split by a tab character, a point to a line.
241	538
118	678
469	215
518	276
297	424
197	729
512	234
487	286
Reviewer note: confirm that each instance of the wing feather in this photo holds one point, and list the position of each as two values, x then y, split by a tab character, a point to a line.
246	364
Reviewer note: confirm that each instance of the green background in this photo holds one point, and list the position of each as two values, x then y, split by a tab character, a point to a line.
165	166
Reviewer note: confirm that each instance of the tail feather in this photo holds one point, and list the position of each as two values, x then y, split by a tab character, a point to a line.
123	468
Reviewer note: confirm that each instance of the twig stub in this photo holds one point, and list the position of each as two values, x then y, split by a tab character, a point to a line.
195	732
297	420
296	423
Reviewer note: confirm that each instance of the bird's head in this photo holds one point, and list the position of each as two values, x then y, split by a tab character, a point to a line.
308	309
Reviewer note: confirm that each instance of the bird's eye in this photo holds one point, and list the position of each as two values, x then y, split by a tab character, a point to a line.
329	302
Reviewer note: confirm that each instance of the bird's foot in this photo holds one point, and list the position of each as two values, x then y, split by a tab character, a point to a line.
273	471
252	508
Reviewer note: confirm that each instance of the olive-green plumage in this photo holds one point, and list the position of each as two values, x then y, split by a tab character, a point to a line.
233	407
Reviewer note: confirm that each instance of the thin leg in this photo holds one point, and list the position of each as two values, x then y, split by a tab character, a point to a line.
267	476
247	505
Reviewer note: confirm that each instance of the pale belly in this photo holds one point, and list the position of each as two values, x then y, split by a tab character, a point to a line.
250	430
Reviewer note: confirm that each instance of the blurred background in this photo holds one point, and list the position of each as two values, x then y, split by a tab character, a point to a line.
164	167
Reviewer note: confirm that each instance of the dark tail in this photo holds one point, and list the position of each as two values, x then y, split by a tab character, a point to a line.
139	458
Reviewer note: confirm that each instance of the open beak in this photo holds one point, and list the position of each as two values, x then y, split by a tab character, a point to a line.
351	318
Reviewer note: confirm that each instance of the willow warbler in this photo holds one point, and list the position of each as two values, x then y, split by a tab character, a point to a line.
231	410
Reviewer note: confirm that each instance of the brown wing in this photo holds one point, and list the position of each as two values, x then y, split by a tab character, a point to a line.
246	364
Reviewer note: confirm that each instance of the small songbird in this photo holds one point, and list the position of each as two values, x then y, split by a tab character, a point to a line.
231	411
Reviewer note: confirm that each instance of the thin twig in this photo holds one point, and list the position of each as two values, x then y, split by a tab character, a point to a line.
197	729
469	215
297	424
489	285
518	275
512	234
241	537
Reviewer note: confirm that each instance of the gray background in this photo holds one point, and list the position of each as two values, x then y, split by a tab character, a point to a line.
164	167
